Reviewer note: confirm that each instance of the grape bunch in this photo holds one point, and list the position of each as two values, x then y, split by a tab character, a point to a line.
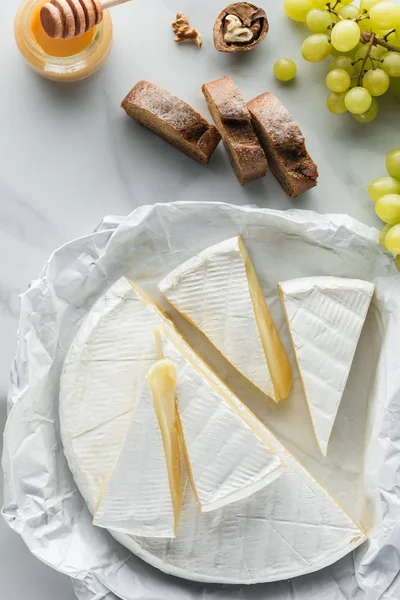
385	192
364	40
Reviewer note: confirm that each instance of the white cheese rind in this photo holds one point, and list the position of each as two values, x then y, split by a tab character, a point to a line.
228	456
289	528
137	497
212	291
325	316
101	382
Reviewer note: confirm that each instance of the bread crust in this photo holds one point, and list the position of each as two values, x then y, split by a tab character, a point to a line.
172	119
284	145
233	121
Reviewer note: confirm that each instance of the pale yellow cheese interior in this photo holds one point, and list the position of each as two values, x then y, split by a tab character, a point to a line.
275	354
162	382
222	389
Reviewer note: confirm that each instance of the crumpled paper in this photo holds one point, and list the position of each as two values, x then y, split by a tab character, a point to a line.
41	500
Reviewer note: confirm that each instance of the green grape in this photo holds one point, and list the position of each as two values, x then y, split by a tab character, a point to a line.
369	114
350	53
397	262
343	62
391	64
297	9
358	100
385	14
346	2
349	11
369	64
392	239
365	25
338	80
398	34
318	20
316	47
319	3
368	4
285	69
382	187
335	103
393	163
376	82
383	234
375	52
345	35
388	208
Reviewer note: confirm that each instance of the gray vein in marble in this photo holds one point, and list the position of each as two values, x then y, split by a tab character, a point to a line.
20	219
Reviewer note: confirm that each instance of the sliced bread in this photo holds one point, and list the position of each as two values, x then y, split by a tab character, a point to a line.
172	119
284	145
233	121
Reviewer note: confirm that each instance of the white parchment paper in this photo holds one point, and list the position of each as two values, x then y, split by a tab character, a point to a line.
42	502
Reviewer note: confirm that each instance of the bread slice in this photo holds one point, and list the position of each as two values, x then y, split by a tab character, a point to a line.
284	145
172	119
233	120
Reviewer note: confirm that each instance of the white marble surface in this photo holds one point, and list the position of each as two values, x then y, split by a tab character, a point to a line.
69	156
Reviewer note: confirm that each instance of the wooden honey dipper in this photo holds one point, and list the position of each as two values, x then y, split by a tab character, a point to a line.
70	18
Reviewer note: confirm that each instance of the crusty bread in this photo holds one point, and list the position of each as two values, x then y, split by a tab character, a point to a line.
284	145
233	121
172	119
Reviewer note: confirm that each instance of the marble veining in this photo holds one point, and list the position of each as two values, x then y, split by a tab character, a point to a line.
69	155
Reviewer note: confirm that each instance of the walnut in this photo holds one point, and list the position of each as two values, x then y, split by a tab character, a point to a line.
240	27
183	31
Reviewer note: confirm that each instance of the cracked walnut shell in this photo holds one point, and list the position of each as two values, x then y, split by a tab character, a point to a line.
240	27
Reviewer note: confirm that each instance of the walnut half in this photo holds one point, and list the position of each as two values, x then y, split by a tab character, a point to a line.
183	31
240	27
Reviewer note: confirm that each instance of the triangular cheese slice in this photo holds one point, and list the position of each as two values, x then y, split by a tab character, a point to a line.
227	453
143	494
325	316
102	379
219	292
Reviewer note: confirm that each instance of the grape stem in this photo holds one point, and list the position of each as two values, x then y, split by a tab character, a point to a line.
331	9
389	33
364	15
366	38
366	57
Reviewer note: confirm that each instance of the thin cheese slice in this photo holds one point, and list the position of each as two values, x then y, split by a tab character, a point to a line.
143	494
325	316
228	456
219	292
102	379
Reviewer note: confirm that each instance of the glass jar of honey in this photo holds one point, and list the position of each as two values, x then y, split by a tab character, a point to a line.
59	59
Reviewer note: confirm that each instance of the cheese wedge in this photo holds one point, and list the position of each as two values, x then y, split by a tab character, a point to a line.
219	292
325	316
291	527
143	493
102	379
228	456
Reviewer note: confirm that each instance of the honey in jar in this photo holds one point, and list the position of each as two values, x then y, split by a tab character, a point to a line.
59	59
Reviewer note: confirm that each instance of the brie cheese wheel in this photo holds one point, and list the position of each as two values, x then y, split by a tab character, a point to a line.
101	382
226	446
290	527
325	316
219	292
143	494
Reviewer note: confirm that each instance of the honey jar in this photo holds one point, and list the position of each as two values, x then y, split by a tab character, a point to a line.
59	59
